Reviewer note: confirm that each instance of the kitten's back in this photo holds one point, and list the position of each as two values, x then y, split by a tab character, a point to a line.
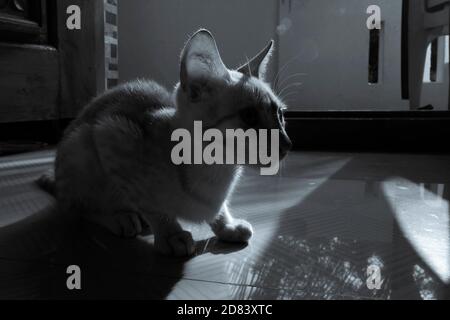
130	100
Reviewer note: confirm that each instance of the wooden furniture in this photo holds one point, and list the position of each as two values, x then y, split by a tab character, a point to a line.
423	21
46	70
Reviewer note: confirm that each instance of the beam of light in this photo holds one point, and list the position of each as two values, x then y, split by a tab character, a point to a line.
423	217
26	162
264	201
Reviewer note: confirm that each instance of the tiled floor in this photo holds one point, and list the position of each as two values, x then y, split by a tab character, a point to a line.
318	225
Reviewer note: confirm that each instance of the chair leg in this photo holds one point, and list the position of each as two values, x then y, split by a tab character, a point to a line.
417	46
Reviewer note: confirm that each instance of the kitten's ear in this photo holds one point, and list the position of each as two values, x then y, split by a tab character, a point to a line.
257	66
200	63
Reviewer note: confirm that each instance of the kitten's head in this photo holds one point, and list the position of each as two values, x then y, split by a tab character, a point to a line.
228	99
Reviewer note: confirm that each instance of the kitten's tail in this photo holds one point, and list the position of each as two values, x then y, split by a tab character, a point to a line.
47	182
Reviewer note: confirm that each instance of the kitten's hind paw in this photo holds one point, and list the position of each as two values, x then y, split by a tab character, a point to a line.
236	231
180	244
131	224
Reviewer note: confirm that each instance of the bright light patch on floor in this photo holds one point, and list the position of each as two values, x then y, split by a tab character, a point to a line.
281	195
423	216
26	163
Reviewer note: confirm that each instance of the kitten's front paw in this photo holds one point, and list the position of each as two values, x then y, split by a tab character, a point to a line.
236	231
180	244
122	224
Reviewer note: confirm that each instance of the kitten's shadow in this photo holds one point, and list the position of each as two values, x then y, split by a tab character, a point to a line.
35	253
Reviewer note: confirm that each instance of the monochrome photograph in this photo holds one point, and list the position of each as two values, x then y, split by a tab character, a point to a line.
247	151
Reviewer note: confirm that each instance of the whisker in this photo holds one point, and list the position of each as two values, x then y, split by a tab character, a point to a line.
283	98
289	77
290	101
292	85
277	77
288	93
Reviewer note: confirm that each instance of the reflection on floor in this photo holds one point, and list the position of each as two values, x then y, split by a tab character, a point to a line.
320	226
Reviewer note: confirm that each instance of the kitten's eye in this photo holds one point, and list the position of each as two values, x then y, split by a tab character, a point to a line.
249	116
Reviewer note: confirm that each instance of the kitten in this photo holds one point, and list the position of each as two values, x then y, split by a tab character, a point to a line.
113	165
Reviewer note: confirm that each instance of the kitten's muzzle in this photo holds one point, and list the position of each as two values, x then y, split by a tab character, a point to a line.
285	146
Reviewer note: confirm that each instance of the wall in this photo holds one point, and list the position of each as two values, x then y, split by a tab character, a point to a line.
332	41
327	40
153	32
